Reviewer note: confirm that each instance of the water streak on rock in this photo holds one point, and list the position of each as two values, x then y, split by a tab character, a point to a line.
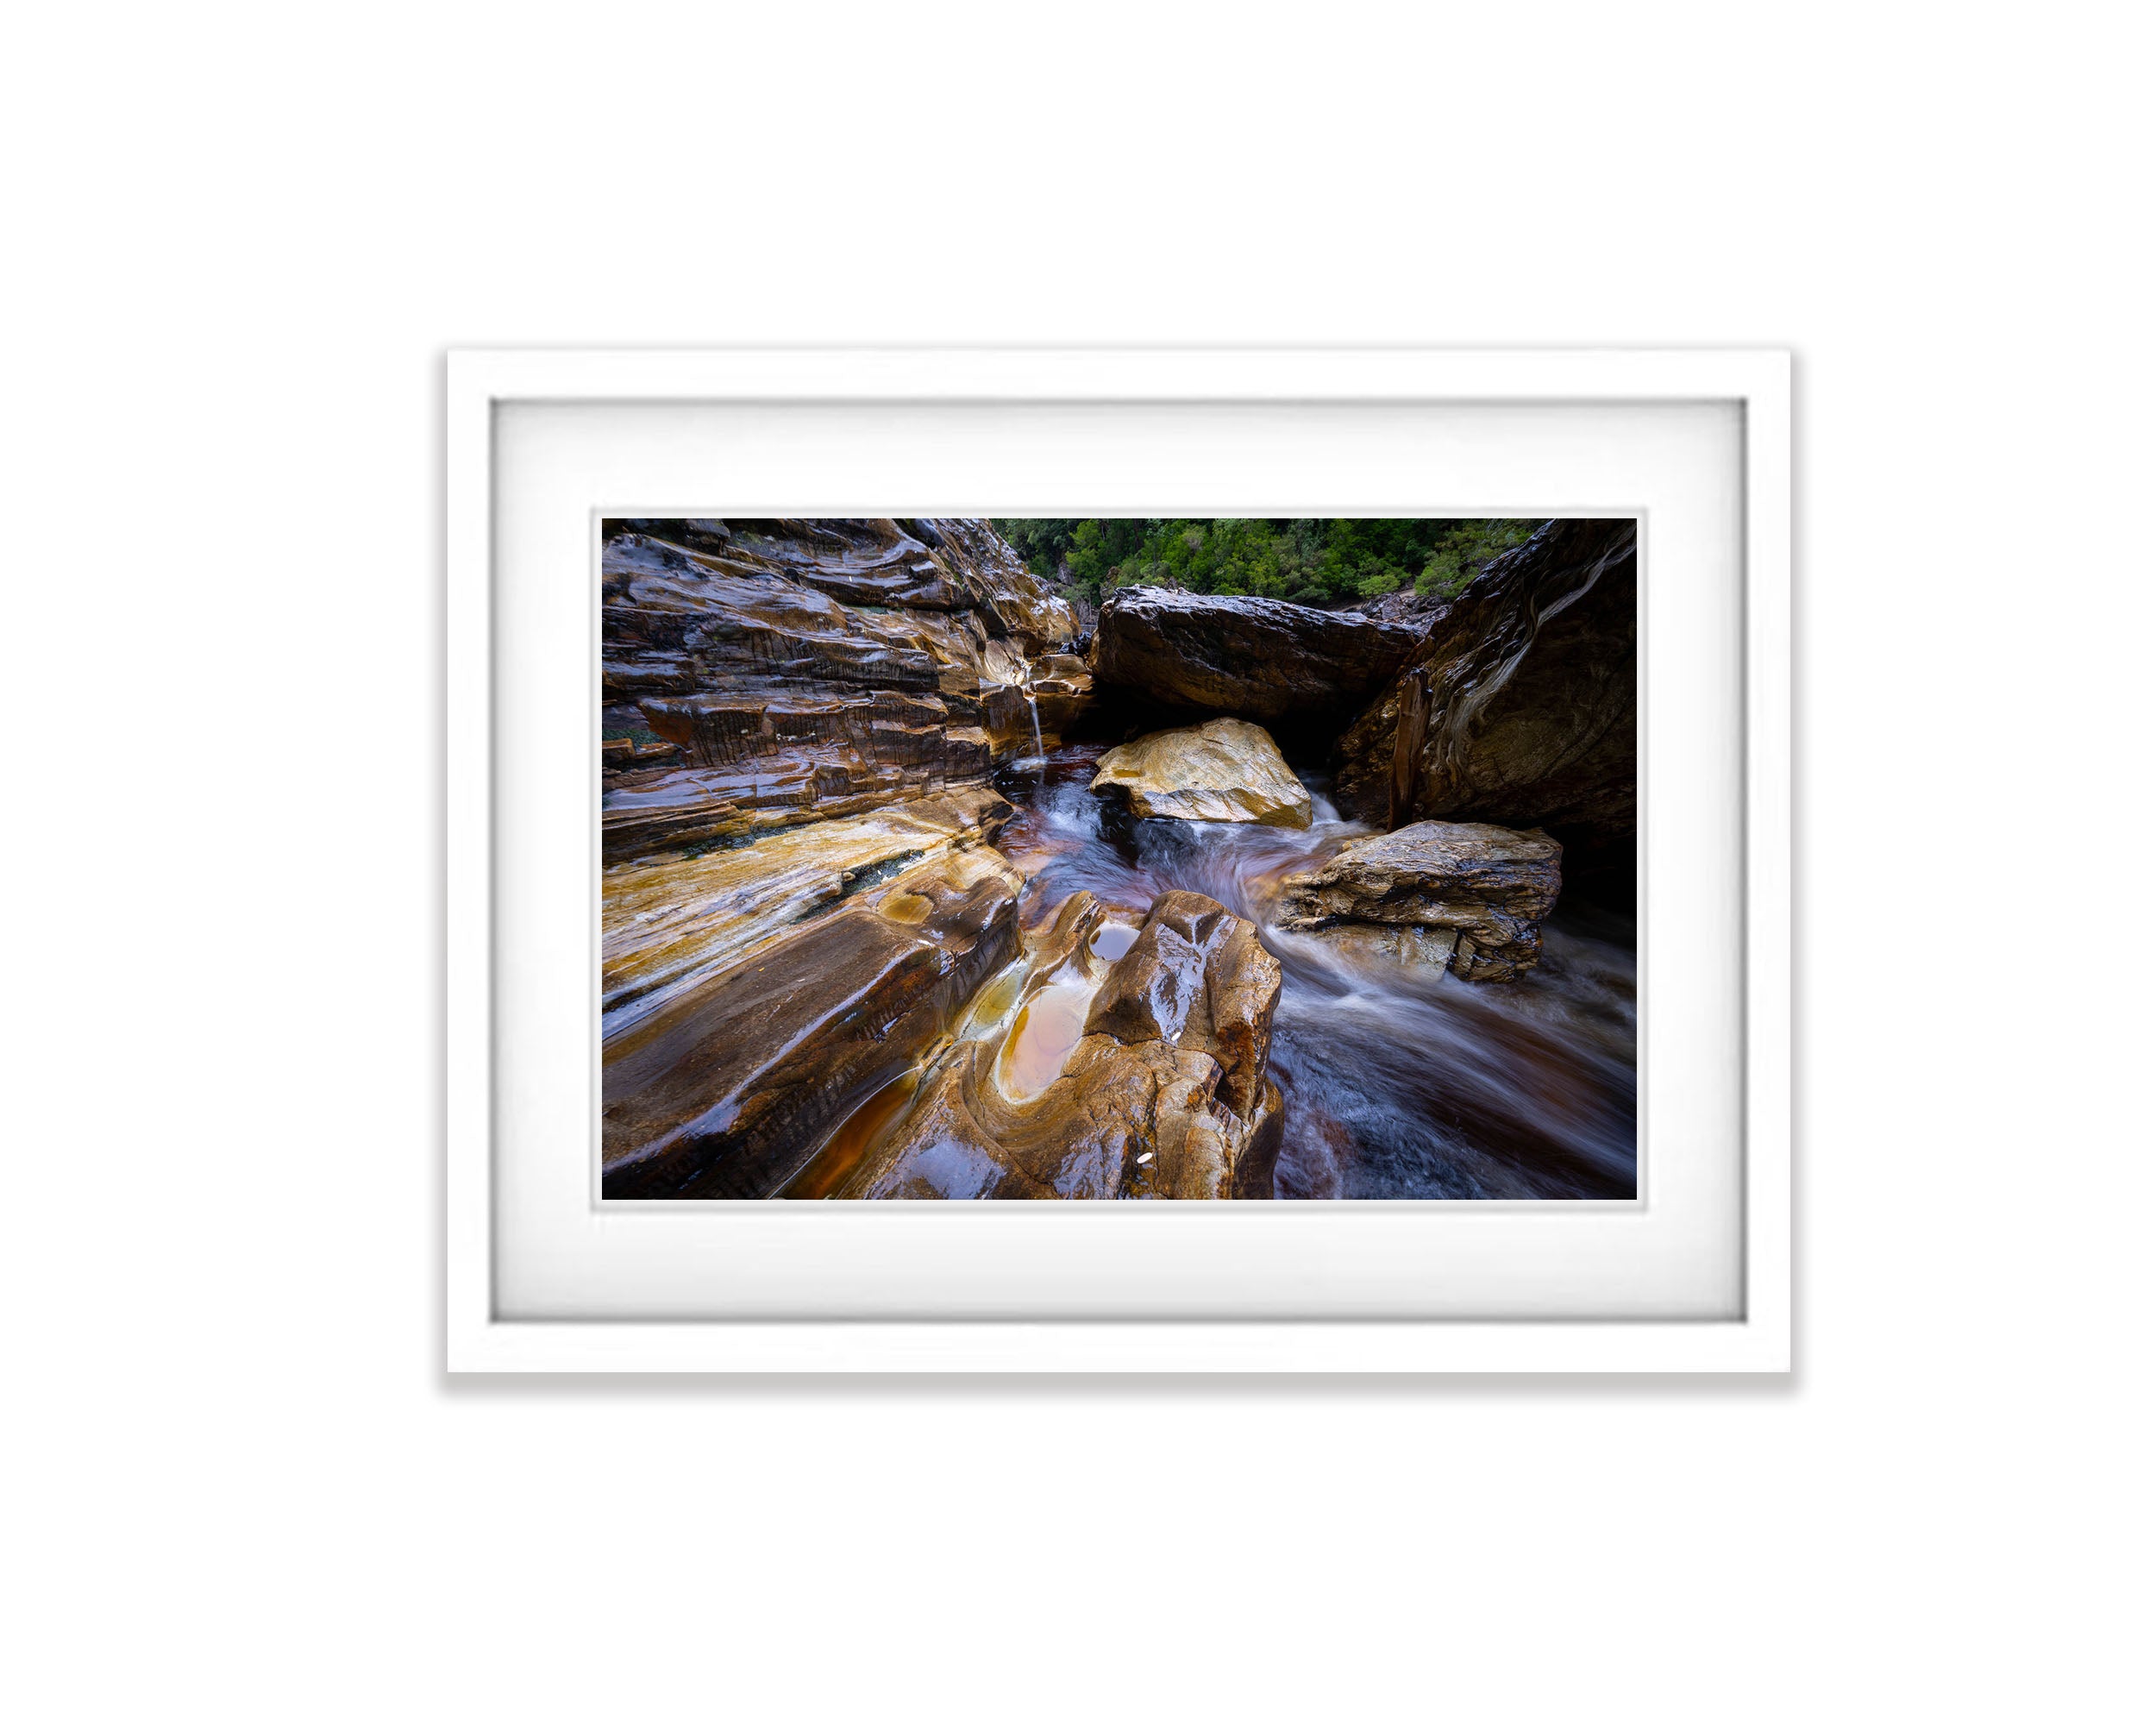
1400	1079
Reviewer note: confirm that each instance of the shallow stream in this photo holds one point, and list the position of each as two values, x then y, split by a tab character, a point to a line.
1400	1082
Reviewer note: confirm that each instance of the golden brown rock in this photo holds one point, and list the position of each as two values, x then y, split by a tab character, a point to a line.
726	1088
1196	977
1062	686
1468	897
668	921
768	673
1137	1122
1080	1076
1228	770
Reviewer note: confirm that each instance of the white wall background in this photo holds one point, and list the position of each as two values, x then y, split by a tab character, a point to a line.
240	1485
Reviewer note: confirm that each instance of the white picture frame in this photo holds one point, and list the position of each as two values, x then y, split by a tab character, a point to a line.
584	1329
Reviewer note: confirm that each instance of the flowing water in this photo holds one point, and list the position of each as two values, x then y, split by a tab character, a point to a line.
1400	1082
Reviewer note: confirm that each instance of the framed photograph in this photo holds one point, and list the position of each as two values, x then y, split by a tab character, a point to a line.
1323	908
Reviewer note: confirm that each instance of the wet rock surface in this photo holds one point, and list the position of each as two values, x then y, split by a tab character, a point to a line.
1178	973
1462	896
1227	770
1141	1075
1518	707
1061	687
724	1089
667	922
1196	977
1252	658
795	762
1401	1080
762	673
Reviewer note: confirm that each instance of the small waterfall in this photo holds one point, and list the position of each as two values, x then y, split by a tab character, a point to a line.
1040	754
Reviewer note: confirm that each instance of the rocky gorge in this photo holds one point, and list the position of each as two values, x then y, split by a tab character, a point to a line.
911	889
759	674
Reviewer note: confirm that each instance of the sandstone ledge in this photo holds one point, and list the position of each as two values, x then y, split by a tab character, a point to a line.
729	1088
1467	897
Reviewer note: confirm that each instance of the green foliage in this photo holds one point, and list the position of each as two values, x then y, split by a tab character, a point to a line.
1044	544
1460	556
1307	561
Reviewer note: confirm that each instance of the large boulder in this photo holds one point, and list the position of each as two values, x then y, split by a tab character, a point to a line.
1518	706
761	674
1254	658
727	1088
1464	897
1124	1067
1228	770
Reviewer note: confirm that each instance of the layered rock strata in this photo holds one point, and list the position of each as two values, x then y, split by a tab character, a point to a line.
1227	770
759	674
729	1085
1519	705
669	921
1460	896
1115	1065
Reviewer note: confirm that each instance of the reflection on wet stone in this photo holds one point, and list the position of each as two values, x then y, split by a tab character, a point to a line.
878	921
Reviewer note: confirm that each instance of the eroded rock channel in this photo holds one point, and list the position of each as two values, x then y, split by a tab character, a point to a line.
899	900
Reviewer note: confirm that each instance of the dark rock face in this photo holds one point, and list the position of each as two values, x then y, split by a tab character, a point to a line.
798	670
1143	1076
728	1088
1524	712
1251	658
1466	897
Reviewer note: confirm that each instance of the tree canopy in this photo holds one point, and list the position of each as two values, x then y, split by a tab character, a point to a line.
1310	562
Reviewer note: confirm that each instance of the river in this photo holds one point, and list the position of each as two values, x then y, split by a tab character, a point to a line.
1399	1082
